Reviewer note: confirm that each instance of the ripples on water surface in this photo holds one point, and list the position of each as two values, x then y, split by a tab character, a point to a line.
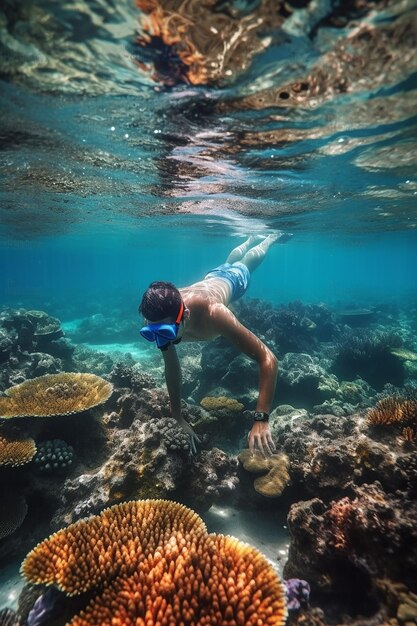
317	132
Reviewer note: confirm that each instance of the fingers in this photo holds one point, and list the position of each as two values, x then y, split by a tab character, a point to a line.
264	444
271	443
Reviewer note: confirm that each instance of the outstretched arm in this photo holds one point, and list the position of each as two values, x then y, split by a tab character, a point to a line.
227	325
173	380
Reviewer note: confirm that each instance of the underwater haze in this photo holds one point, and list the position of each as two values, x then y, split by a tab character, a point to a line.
142	141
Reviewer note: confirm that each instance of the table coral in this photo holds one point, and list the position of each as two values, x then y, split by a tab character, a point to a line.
276	467
152	562
13	512
14	452
55	394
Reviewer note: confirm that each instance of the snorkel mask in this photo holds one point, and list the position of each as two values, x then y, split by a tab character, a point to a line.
163	334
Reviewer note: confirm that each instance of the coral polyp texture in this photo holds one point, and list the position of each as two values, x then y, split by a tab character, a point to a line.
13	512
152	562
15	452
53	456
55	394
394	410
221	404
275	468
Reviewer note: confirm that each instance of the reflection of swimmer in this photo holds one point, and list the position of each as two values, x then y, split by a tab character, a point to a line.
200	312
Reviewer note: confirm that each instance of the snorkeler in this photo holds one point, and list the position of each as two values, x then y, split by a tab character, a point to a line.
200	312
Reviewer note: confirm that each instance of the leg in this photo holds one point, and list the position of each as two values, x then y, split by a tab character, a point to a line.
256	255
238	253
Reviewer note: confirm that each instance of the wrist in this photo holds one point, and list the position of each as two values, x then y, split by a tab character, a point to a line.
258	416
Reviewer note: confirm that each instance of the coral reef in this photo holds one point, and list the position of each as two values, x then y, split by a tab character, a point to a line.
275	468
368	354
212	477
351	542
396	411
297	592
173	437
55	394
54	456
14	452
161	545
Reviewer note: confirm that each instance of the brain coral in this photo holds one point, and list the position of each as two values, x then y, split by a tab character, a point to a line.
276	467
55	394
14	452
156	564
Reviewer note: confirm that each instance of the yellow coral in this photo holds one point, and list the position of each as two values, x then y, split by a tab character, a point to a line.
14	452
277	477
55	394
221	403
152	562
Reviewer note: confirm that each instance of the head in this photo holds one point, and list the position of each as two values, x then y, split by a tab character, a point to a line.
163	308
160	302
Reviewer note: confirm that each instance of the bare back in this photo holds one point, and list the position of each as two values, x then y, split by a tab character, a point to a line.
204	299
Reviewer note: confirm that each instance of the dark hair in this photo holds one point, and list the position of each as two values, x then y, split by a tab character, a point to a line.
160	300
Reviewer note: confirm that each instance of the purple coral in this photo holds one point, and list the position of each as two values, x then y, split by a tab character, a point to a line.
44	608
297	592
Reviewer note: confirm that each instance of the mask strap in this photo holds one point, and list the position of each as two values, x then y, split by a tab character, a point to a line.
181	311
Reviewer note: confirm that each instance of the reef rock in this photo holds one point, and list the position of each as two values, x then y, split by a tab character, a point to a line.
343	547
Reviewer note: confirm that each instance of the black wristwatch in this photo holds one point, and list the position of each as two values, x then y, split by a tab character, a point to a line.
260	416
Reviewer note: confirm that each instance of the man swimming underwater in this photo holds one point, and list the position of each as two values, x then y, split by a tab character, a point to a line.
200	312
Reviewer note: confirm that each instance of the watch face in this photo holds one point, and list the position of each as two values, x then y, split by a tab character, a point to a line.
258	416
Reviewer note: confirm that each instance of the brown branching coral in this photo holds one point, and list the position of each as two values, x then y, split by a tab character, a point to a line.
386	412
156	564
392	411
14	452
55	394
276	467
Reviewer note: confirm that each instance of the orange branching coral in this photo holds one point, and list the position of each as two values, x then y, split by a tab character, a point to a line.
386	412
393	411
409	433
156	564
14	452
13	512
90	551
276	467
55	394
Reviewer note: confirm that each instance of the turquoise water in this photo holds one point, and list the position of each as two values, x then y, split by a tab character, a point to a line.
114	175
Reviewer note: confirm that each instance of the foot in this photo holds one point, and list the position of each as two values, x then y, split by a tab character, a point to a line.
279	237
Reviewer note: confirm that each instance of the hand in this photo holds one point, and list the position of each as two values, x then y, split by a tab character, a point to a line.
188	429
260	437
